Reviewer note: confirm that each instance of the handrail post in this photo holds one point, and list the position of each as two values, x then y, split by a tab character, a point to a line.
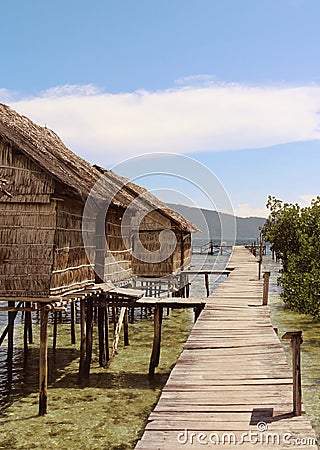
266	277
296	341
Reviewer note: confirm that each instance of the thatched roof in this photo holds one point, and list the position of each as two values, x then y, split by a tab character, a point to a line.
147	199
46	149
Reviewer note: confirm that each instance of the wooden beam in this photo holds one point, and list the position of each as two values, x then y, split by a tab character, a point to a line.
117	331
43	361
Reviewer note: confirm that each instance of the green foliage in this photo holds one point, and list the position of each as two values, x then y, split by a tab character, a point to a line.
294	234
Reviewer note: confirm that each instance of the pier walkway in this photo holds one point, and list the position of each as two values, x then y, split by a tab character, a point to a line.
232	385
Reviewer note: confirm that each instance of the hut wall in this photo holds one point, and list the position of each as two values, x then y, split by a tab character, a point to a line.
27	226
148	230
187	249
73	265
182	254
117	261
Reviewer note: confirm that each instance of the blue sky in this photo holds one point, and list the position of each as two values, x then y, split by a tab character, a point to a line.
234	84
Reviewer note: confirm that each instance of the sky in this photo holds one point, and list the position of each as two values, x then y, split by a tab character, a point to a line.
232	86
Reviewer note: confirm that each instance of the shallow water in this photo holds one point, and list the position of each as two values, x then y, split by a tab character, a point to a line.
111	411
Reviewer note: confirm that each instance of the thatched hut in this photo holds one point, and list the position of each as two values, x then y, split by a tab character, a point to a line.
43	191
155	251
51	245
44	187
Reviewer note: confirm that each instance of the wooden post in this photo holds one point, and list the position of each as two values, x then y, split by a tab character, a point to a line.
197	311
43	361
82	338
266	277
206	278
55	327
296	341
73	322
260	257
182	289
25	332
89	333
102	352
11	317
155	355
114	318
187	286
126	327
106	331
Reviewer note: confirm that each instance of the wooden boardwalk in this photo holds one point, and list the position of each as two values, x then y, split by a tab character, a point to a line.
231	386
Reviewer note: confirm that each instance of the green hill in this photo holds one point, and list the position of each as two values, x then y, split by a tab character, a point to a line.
219	226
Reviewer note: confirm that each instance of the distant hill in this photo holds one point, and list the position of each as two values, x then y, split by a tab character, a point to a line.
211	223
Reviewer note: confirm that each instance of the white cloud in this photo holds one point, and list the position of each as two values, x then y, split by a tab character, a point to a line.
306	199
245	210
71	90
106	128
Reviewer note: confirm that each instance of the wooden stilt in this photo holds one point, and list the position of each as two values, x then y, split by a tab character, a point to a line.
206	276
126	327
25	334
132	315
29	319
11	317
43	361
101	330
197	311
106	332
89	334
55	330
73	322
187	286
5	332
114	318
155	355
82	338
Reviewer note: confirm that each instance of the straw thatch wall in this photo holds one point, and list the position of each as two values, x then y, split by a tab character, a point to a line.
117	261
27	226
72	268
149	231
